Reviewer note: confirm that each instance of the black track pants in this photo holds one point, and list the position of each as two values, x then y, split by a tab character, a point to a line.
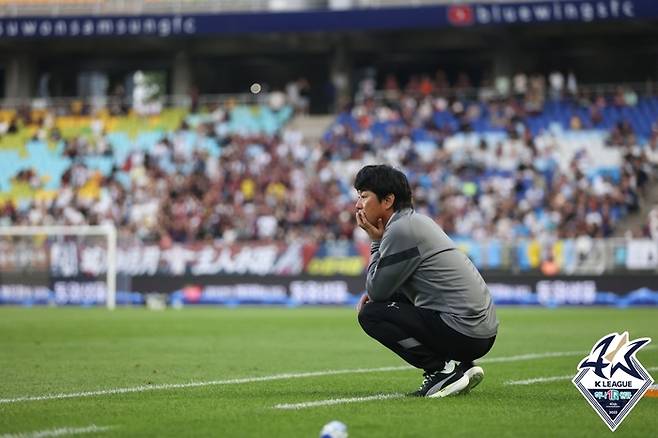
418	335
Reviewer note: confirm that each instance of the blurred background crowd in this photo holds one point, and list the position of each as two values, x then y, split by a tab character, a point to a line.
520	157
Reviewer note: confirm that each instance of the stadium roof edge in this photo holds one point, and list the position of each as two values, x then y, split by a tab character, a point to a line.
431	17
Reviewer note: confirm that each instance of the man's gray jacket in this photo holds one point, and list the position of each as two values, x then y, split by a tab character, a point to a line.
416	257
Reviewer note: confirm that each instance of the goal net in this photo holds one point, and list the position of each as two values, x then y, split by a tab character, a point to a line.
58	265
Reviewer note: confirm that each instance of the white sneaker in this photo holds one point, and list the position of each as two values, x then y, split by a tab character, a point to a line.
449	381
475	375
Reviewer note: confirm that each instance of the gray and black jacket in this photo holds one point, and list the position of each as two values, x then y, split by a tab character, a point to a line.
416	257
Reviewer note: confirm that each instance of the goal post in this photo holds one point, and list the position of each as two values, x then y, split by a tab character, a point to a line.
108	232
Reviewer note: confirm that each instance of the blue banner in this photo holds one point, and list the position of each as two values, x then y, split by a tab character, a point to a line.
469	15
579	11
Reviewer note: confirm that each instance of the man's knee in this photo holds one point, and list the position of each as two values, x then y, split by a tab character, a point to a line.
363	315
369	316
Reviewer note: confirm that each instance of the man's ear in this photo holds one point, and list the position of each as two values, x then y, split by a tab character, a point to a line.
389	200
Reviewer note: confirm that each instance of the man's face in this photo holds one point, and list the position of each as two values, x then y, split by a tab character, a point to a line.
370	205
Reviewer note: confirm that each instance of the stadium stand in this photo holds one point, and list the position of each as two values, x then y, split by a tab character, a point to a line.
534	164
510	168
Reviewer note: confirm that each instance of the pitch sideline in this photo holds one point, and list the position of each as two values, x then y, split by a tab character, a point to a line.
169	386
551	379
336	401
58	432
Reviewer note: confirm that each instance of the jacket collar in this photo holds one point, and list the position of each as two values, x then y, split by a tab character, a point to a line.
398	214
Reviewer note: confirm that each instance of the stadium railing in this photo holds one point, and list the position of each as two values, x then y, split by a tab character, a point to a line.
582	255
648	88
64	104
379	96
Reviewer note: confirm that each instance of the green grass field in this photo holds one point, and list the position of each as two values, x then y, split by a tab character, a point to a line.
45	352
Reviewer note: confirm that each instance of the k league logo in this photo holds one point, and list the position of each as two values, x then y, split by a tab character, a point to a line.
612	379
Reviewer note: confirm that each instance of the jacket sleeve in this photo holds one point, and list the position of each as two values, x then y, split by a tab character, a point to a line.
393	260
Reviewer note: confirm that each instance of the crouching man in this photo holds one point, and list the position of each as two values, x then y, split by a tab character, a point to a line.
424	298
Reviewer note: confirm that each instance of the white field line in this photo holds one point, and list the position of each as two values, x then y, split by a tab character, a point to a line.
169	386
335	401
59	432
166	386
531	356
552	379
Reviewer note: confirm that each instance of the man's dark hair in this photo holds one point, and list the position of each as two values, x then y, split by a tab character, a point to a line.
383	180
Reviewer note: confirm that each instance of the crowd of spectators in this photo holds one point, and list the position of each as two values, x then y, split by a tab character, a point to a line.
283	187
507	188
